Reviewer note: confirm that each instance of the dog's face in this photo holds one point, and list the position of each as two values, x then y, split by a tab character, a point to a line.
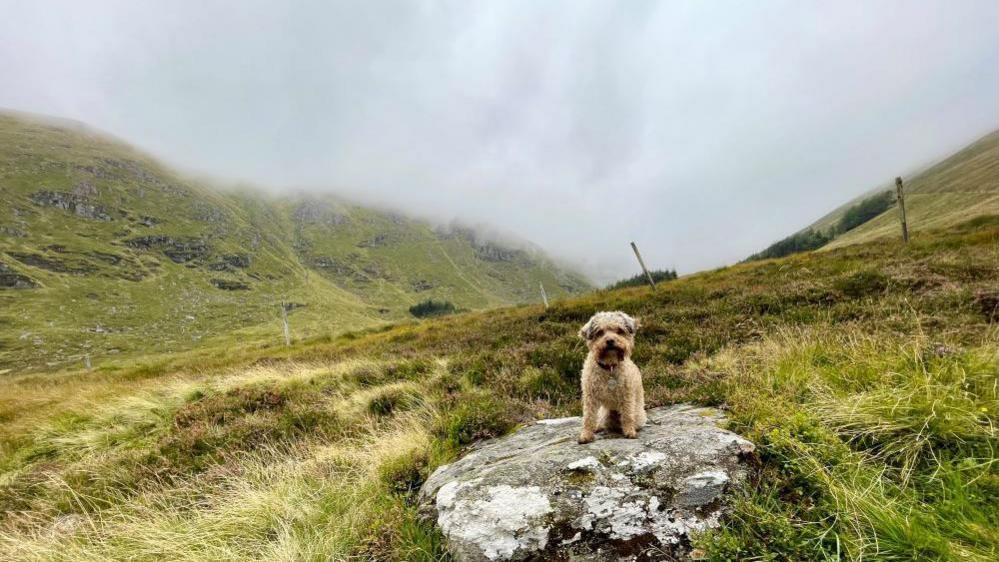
610	336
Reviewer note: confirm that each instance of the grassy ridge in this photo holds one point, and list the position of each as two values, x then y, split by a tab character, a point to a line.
106	253
952	191
867	375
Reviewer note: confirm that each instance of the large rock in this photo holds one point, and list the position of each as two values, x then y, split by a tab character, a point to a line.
538	495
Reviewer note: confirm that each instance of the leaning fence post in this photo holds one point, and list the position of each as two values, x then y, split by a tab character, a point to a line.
544	296
284	319
641	262
901	209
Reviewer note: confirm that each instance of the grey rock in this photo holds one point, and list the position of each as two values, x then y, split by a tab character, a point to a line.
229	285
376	241
208	213
51	263
68	524
487	251
231	262
421	285
11	279
79	205
85	189
179	250
538	495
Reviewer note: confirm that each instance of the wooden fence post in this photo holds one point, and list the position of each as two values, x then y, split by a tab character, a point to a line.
641	262
284	319
901	209
544	296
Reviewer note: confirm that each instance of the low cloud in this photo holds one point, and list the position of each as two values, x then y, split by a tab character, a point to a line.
703	131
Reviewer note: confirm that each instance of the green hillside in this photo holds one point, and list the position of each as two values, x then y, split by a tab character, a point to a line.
866	375
105	252
959	188
963	186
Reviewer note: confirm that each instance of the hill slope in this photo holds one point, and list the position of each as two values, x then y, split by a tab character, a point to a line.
104	251
961	187
866	376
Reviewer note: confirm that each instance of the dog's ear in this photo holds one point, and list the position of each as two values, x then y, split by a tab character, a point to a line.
631	324
584	332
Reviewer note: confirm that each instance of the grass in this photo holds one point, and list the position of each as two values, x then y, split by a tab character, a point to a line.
866	375
873	447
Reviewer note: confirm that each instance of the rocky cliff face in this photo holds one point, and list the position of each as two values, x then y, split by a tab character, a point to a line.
538	495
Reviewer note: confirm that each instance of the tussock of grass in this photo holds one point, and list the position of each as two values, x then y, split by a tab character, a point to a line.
859	439
302	499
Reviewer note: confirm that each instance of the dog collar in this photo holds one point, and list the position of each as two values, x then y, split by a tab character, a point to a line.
609	369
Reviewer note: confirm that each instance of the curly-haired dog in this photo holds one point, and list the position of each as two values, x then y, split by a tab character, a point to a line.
613	397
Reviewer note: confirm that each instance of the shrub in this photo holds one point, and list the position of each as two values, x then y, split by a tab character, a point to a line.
392	400
546	384
861	284
374	374
430	308
475	416
405	472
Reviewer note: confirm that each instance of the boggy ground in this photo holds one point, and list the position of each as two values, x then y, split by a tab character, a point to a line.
866	375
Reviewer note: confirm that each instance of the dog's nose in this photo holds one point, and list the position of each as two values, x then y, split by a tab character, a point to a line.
610	343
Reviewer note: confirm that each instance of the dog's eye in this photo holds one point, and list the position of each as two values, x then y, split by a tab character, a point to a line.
598	333
619	331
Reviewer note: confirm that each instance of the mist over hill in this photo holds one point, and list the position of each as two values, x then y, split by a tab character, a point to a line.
104	251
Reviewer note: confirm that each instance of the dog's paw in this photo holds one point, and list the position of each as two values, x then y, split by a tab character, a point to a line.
585	438
630	433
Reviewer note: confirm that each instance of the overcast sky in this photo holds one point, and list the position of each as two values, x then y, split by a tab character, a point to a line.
701	130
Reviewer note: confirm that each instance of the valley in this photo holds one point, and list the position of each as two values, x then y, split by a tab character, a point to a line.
105	253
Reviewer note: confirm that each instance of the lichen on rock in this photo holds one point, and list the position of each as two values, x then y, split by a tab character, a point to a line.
537	494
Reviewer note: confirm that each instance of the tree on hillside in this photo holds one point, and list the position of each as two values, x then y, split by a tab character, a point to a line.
430	307
864	211
800	242
658	275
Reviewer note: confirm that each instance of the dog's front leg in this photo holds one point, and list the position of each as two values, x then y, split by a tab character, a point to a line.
590	408
629	422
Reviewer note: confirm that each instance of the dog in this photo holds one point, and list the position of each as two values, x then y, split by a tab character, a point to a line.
613	397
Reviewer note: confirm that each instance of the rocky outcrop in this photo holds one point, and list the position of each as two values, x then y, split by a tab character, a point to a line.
10	279
179	250
230	262
488	251
79	205
376	241
53	264
85	189
538	495
421	285
314	211
228	285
